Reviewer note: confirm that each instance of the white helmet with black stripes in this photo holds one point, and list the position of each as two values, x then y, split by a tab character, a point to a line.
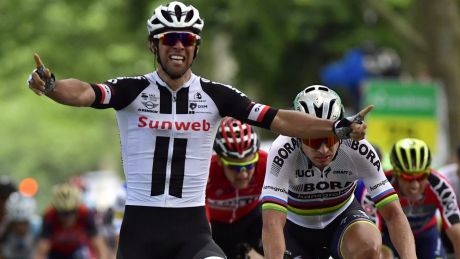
320	101
175	16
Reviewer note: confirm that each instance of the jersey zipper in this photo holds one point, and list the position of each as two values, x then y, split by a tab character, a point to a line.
171	145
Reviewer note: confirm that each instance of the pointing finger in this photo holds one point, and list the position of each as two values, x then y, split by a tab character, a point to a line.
38	61
366	110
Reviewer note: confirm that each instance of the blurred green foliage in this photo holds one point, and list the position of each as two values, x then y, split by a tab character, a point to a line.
279	47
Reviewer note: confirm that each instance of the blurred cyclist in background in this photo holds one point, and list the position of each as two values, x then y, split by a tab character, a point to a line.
452	173
422	191
23	226
113	218
7	186
235	182
69	230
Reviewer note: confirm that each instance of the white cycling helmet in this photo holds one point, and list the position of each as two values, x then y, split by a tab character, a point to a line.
319	101
20	208
175	16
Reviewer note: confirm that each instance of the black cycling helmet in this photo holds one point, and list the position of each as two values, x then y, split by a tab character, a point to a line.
235	139
7	186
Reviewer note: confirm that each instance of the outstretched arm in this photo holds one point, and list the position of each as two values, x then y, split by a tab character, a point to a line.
272	233
301	125
71	92
400	232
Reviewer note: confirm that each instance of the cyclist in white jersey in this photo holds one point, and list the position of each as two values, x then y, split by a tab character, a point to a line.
308	192
168	121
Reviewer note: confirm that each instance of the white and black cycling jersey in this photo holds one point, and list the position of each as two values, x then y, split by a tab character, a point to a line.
313	198
167	136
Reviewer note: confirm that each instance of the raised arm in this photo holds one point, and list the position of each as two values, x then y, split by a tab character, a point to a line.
400	232
71	92
301	125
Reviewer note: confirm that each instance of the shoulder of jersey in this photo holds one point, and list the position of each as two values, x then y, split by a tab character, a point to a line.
284	146
436	174
207	82
130	80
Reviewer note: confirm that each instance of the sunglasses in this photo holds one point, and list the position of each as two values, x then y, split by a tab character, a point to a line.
239	166
316	143
66	213
414	177
170	38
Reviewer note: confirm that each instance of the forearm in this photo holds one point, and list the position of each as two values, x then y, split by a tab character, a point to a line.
273	243
401	236
72	92
454	236
272	234
301	125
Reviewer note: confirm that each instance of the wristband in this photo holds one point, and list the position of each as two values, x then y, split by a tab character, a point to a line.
50	82
342	129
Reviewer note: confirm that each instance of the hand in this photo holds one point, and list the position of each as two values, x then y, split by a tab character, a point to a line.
352	126
41	81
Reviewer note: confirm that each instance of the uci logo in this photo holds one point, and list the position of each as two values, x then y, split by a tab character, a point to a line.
304	173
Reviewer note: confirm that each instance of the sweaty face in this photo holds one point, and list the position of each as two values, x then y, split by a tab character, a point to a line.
175	59
322	156
412	190
240	177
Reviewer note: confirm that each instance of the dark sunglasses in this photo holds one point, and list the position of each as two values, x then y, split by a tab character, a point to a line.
414	176
316	143
239	166
170	38
66	213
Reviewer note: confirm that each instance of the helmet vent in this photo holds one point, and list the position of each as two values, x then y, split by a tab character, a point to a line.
166	15
319	111
404	158
323	89
329	112
189	16
178	12
413	155
305	107
422	160
309	89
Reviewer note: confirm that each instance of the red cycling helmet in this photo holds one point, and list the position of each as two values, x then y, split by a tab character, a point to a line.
235	139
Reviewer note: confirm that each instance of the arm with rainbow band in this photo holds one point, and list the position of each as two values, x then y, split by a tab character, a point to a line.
274	214
274	199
